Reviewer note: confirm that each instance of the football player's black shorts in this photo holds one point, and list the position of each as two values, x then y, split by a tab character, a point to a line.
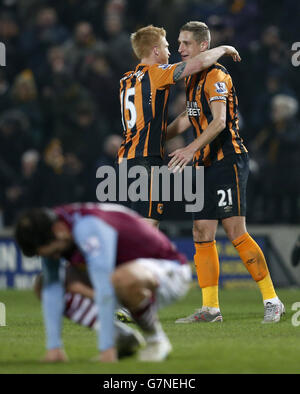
225	185
148	209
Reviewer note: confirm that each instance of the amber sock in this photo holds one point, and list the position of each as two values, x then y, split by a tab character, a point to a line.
255	262
207	268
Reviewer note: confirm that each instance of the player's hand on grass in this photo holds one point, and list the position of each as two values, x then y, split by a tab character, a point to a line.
109	356
231	51
55	355
180	158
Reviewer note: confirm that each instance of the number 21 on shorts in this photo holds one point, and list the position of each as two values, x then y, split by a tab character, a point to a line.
225	197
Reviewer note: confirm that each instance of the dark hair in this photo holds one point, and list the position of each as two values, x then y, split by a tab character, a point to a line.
34	229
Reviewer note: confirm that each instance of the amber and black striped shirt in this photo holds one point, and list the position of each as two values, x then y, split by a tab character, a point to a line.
144	95
213	84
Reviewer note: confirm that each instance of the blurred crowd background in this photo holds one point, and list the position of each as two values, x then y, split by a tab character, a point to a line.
59	95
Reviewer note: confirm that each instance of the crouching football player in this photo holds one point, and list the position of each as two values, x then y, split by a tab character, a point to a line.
128	261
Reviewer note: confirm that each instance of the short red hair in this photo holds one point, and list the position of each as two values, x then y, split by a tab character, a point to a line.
145	39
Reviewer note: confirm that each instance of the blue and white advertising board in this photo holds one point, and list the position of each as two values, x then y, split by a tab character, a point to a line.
17	271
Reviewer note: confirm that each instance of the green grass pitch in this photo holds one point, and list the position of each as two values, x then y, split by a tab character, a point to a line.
241	344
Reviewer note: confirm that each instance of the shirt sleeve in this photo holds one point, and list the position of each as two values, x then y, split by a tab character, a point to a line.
52	302
162	75
217	85
98	243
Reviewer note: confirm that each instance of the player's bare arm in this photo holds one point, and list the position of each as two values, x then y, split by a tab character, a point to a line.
178	126
181	157
203	61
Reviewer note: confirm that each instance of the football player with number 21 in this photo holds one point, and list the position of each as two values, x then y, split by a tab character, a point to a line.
212	110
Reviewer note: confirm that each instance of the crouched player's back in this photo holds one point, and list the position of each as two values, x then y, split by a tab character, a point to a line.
136	238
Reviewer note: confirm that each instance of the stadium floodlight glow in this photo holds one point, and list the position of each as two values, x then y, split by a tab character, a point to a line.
160	184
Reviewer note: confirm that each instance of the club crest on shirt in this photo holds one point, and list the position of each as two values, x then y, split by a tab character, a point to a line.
221	87
160	208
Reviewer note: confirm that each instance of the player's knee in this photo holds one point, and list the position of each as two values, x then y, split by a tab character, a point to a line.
122	279
116	279
234	227
201	233
131	278
233	233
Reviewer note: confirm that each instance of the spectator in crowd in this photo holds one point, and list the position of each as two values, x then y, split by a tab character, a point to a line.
168	14
5	100
82	137
55	182
15	139
242	18
81	45
268	54
119	49
277	147
274	84
9	35
18	192
99	78
222	32
29	165
37	39
25	98
57	87
111	146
